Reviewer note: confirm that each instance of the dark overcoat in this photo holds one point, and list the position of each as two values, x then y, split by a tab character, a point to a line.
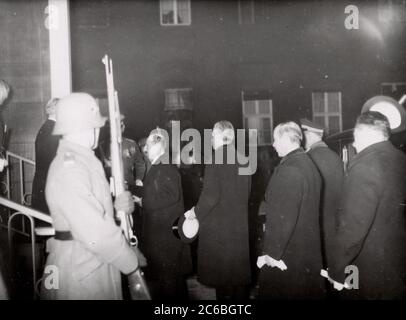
292	232
371	230
222	210
167	256
331	170
46	145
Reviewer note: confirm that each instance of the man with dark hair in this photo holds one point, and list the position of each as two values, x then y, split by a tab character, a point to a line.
371	226
46	145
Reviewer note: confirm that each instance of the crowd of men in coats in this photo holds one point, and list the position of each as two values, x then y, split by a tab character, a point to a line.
320	219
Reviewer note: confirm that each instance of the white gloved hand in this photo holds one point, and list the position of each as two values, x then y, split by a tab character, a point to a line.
137	200
139	183
190	214
337	285
261	262
271	262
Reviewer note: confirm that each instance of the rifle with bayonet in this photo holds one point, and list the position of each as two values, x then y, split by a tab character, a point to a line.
137	284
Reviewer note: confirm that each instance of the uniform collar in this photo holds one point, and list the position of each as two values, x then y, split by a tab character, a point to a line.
318	144
68	146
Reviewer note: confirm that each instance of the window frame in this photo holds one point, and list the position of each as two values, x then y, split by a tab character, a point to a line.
257	115
175	14
326	113
392	85
190	90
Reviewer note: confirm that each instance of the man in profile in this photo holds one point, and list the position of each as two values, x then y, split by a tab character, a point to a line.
223	259
292	243
371	231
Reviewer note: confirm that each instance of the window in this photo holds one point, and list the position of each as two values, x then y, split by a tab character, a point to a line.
253	11
327	110
393	89
257	114
175	12
180	98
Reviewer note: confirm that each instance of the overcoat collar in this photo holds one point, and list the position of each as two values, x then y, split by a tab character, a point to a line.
292	154
380	146
319	144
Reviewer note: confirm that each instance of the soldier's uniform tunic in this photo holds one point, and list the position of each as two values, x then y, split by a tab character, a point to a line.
79	199
132	161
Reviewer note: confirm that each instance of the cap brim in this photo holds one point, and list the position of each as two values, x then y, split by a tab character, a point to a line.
311	129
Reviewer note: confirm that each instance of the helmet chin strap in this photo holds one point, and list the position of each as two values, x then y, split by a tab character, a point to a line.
95	138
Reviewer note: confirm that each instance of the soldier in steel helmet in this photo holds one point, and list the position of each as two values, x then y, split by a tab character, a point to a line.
89	250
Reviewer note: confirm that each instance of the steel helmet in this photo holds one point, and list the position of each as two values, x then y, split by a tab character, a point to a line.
77	112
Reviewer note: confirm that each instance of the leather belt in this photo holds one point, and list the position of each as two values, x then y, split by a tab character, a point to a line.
63	235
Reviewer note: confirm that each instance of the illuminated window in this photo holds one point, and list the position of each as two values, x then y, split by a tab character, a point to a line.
257	114
175	12
180	98
327	110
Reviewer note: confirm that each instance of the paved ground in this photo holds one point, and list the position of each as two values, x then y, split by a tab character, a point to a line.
20	285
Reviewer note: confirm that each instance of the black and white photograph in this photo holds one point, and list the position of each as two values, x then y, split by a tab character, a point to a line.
203	156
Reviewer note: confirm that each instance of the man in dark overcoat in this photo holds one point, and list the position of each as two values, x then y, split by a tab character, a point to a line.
222	210
371	232
46	145
169	259
331	170
292	243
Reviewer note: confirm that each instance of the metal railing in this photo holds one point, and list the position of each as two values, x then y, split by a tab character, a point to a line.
21	162
30	214
19	208
24	197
